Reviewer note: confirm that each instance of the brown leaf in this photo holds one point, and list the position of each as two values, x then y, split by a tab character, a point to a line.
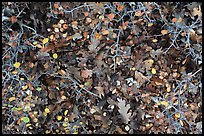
97	117
86	73
120	131
141	78
100	91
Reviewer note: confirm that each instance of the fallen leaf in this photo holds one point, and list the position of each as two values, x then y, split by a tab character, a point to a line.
12	99
55	56
17	64
164	32
100	91
76	36
56	6
154	71
45	40
26	119
86	14
177	115
154	40
47	110
148	63
174	20
86	73
164	103
111	16
105	32
197	11
13	19
59	118
141	78
123	110
98	36
120	7
120	131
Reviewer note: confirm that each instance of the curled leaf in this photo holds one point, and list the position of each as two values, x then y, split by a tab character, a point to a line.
11	99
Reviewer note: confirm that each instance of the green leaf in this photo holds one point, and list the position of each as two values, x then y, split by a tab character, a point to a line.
26	119
16	109
39	89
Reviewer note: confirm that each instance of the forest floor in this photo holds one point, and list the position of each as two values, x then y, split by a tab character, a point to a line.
101	67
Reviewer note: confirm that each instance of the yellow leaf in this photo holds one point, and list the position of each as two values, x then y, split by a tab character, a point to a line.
63	97
21	78
55	55
11	99
44	113
14	72
39	46
81	86
35	43
59	118
24	87
169	107
154	71
181	122
168	89
150	24
47	110
180	20
177	115
64	124
65	113
27	125
75	132
17	64
164	103
45	40
133	68
154	40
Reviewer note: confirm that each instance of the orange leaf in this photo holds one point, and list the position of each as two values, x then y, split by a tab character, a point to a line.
13	19
98	36
139	13
164	32
105	32
65	26
56	6
86	14
45	49
174	20
111	16
120	7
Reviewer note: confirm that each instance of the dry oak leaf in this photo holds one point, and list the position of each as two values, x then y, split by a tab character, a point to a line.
100	91
141	78
86	73
123	110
